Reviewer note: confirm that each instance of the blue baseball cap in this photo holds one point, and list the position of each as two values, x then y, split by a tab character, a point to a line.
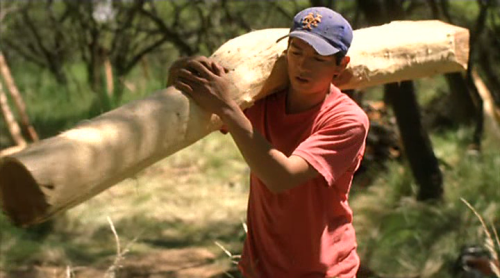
325	30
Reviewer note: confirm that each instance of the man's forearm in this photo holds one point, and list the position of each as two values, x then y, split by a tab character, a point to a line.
271	166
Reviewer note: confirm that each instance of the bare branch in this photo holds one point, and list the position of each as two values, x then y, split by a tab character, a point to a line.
34	31
172	37
143	52
23	53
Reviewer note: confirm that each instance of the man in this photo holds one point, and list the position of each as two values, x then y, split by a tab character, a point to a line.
303	146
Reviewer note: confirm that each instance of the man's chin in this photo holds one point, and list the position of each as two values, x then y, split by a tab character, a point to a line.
300	86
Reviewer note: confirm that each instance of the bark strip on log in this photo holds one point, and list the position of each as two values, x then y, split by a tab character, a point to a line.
61	172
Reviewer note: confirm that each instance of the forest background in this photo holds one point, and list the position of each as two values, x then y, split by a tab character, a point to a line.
430	146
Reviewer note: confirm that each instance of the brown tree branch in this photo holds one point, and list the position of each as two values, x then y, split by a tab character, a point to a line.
143	52
19	49
173	37
10	120
18	100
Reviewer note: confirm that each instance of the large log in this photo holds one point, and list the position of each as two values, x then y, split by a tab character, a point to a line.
60	172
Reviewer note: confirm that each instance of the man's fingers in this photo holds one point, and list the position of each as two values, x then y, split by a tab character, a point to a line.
188	75
181	86
200	68
216	69
182	63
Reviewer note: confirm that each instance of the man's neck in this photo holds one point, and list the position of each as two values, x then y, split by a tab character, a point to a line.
297	102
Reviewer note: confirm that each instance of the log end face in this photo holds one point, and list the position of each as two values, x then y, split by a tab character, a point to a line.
21	198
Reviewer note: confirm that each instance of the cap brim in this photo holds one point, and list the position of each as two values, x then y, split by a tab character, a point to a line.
318	43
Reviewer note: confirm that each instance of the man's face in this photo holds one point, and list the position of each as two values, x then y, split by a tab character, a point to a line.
310	72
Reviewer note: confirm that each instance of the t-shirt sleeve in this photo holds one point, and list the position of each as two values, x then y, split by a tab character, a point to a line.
333	149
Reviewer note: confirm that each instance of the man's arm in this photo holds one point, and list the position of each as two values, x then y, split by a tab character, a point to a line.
211	91
274	168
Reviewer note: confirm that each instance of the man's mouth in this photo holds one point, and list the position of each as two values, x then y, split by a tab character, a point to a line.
301	79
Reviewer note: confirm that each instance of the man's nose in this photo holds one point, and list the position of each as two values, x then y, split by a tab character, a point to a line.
304	64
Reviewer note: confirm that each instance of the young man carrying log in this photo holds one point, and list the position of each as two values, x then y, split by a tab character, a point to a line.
302	145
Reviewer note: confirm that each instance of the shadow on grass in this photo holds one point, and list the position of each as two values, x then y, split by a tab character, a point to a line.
27	247
175	233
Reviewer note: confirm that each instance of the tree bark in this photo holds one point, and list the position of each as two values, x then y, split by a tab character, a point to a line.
18	100
61	172
474	91
416	142
462	106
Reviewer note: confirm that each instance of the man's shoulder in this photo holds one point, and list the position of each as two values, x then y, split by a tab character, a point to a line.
339	107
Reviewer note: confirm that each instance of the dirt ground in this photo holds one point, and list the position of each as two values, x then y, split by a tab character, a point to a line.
179	263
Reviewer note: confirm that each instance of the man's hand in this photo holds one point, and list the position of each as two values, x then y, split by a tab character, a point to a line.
205	82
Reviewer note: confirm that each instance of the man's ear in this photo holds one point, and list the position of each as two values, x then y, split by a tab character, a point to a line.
342	76
345	61
341	66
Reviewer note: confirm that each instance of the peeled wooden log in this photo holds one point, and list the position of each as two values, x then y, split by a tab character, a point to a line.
61	172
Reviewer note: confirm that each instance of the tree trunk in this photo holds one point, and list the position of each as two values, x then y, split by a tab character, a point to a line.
10	120
416	142
462	106
61	172
416	145
18	100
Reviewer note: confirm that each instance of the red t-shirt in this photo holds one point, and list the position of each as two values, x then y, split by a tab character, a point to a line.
307	230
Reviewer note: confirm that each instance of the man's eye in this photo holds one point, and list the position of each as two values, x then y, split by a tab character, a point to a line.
295	53
320	60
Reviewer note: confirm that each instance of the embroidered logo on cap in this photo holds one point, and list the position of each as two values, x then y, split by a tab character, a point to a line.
310	21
